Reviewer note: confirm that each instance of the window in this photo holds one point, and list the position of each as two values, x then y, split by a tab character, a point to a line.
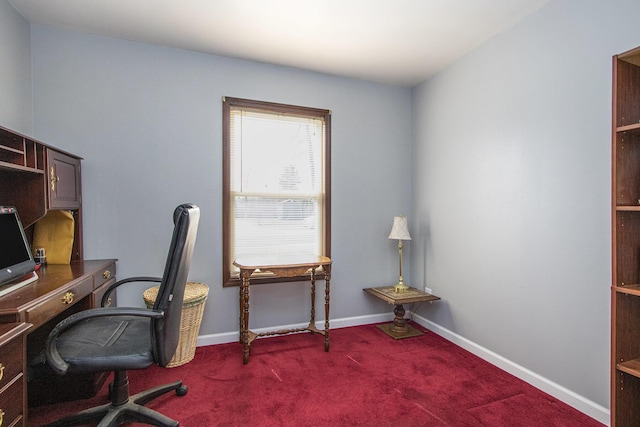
276	185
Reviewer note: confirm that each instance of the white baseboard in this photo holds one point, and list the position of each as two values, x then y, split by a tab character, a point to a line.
586	406
582	404
233	336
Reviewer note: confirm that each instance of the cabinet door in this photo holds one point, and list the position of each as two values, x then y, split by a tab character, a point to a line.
63	176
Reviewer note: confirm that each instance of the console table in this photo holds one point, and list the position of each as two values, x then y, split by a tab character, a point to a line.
282	266
399	328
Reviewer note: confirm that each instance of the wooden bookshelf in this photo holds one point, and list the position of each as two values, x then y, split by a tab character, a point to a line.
625	217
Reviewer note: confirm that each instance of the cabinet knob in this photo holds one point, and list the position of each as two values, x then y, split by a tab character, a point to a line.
1	416
68	298
1	371
106	274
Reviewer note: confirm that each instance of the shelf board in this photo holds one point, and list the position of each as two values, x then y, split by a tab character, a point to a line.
631	367
628	128
10	149
628	208
15	167
628	289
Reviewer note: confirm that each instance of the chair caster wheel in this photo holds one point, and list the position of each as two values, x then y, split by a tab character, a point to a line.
182	390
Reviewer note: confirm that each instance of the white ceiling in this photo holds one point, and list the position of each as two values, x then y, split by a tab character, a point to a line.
399	42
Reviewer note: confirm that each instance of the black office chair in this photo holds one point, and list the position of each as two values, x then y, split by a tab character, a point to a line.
119	339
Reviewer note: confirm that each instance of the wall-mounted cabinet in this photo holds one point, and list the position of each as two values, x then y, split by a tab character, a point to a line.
625	216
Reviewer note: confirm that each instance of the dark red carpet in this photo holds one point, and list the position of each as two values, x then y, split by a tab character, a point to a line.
366	379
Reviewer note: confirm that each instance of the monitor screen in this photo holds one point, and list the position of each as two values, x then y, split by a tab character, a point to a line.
16	259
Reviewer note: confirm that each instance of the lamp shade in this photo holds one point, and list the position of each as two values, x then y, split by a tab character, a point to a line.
400	229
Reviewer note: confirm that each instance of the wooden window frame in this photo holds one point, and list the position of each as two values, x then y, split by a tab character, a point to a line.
229	103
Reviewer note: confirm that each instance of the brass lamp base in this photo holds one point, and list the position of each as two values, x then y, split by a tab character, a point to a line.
400	288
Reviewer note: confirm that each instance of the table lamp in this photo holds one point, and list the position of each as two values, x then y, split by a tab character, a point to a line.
400	231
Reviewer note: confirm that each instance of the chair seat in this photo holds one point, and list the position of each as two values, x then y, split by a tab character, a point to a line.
107	343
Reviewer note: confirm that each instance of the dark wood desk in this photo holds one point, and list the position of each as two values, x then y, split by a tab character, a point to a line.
399	328
282	266
37	178
30	312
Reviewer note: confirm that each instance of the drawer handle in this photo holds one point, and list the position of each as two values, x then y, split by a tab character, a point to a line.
1	371
68	298
1	416
106	274
54	178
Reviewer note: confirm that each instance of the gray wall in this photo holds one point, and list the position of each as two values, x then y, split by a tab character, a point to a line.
511	191
15	70
148	122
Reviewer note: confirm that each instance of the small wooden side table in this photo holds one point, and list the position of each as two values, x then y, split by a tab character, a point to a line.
399	328
283	266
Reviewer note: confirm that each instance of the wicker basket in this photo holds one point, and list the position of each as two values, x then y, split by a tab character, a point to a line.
195	295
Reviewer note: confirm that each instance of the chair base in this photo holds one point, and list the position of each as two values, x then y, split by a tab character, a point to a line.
111	414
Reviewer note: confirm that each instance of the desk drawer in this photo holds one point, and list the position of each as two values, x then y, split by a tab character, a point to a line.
11	403
103	276
61	301
11	357
96	295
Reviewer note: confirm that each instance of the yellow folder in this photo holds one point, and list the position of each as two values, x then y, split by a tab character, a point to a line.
54	233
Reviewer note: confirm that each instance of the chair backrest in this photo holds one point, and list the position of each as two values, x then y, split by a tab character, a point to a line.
166	331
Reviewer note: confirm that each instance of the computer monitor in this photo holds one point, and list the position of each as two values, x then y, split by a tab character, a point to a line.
17	266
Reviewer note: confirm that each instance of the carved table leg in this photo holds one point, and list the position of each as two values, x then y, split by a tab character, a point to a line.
312	322
327	287
400	328
244	314
241	311
399	323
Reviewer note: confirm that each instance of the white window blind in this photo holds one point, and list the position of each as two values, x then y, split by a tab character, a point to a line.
276	183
